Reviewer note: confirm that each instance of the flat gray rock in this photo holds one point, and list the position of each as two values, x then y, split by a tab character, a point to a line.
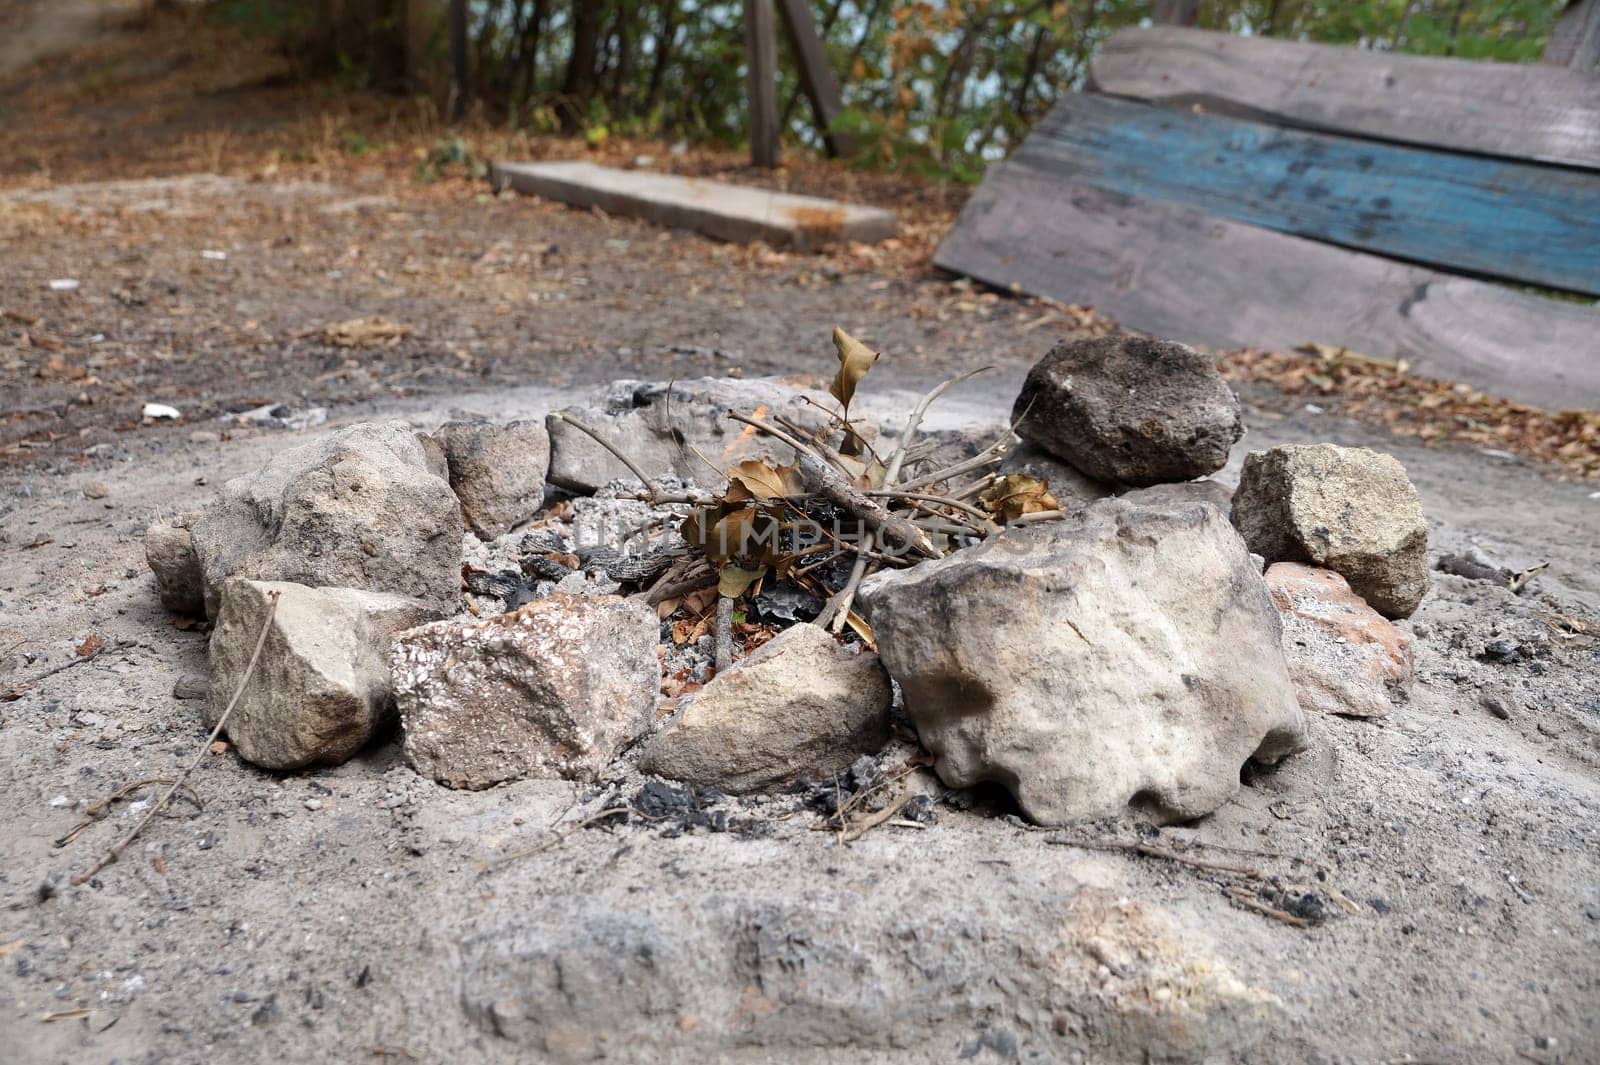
675	428
1065	481
1205	490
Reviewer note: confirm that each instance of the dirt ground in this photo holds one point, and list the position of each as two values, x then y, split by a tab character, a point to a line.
345	914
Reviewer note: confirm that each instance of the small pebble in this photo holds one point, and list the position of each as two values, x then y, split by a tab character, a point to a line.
191	686
1500	650
96	490
313	804
1496	706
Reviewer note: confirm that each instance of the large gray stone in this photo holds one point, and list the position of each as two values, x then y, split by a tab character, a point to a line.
553	689
662	432
321	690
1129	409
169	551
496	471
1205	490
357	508
1347	509
1124	656
800	702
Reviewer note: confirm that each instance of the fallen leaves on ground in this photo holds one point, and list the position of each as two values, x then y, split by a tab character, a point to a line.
365	332
1377	392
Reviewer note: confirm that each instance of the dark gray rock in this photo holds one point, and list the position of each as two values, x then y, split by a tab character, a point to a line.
1128	409
496	471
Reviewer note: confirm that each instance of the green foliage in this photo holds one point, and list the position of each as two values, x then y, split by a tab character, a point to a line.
268	18
355	145
446	157
937	87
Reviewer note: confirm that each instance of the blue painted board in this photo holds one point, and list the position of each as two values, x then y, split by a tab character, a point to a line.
1525	222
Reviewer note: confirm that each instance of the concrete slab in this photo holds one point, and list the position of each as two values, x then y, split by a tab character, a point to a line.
733	213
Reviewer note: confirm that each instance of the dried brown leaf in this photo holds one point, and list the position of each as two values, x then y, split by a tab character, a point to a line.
736	580
855	359
1016	494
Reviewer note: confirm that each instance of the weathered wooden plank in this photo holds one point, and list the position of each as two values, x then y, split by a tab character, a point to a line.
1521	221
728	212
1520	111
817	79
1172	270
761	57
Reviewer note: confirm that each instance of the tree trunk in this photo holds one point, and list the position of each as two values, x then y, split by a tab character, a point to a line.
525	70
1176	12
664	45
458	59
579	84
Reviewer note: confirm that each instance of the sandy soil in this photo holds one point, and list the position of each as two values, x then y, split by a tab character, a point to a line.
342	914
343	911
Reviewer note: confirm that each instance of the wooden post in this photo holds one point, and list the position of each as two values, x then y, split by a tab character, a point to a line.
1575	40
817	79
761	52
1176	12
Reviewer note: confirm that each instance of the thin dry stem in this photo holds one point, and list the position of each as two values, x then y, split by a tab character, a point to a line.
654	490
161	804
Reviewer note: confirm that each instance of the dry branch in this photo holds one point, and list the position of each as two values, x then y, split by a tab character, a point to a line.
161	804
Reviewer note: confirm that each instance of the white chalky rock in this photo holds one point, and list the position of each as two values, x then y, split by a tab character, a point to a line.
1126	655
321	690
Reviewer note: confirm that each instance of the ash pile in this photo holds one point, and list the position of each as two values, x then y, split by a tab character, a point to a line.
726	587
